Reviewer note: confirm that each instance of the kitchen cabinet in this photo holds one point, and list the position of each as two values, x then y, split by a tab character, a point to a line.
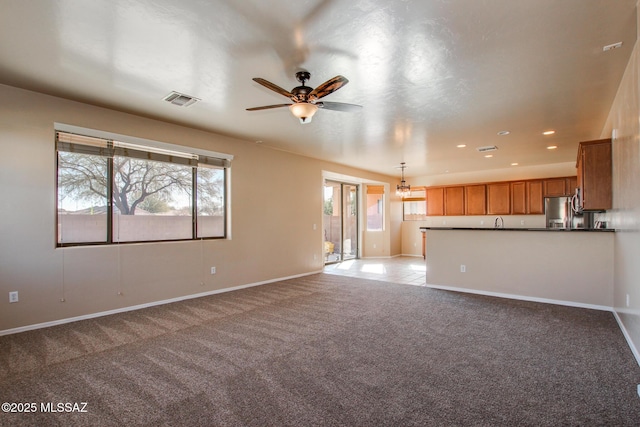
572	184
594	175
476	196
454	200
535	192
555	187
499	198
519	198
524	197
435	201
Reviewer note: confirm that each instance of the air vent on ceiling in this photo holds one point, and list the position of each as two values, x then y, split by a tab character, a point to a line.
487	148
180	99
612	46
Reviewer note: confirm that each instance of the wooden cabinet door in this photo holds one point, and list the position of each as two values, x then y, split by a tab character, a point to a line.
435	201
476	198
499	198
535	205
519	198
596	175
454	201
572	184
554	187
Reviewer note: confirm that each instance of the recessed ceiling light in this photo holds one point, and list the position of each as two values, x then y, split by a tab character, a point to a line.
514	164
504	132
552	147
549	132
259	141
461	145
488	155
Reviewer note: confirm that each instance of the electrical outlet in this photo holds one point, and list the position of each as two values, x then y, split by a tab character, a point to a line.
463	268
481	222
627	300
522	222
13	296
213	270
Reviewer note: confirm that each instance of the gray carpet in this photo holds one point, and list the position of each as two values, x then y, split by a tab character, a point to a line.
327	350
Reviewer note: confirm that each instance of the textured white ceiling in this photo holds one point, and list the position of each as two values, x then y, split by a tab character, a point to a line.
429	74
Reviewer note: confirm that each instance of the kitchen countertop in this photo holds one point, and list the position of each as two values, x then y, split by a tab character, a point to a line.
599	230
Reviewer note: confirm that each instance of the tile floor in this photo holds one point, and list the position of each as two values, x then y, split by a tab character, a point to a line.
406	270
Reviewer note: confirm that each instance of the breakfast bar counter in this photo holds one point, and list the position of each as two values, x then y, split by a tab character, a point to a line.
571	267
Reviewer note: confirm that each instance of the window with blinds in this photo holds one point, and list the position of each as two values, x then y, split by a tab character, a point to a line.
114	192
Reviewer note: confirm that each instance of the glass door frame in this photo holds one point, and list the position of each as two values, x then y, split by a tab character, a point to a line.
334	251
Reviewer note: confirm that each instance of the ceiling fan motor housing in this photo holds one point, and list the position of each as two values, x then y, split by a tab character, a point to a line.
301	93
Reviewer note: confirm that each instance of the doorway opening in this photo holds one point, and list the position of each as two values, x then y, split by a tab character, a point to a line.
340	221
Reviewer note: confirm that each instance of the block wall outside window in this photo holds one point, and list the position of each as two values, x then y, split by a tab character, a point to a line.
112	192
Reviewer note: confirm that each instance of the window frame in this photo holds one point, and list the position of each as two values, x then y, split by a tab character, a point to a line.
421	197
145	150
376	190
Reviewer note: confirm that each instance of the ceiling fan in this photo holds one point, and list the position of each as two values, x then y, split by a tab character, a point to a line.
305	99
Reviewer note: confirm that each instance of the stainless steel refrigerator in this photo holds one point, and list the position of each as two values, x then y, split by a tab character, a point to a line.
560	214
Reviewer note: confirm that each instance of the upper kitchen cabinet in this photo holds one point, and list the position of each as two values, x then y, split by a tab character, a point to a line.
435	201
524	197
572	184
454	201
476	196
499	198
594	175
519	198
527	197
555	187
535	194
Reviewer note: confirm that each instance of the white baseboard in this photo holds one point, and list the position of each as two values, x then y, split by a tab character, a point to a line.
627	337
371	257
145	305
523	298
391	256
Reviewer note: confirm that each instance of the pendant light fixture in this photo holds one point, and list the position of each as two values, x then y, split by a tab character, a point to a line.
403	189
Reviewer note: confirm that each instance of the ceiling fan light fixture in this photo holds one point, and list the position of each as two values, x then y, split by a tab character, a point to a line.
303	110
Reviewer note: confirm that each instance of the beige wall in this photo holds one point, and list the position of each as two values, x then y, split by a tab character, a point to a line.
572	267
412	238
272	236
625	216
491	175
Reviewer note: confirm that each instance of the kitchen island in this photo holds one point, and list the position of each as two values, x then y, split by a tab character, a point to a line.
570	267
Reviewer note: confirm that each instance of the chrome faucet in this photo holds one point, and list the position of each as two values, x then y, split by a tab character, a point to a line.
498	223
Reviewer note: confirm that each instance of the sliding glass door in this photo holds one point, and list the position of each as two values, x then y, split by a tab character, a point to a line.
340	221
